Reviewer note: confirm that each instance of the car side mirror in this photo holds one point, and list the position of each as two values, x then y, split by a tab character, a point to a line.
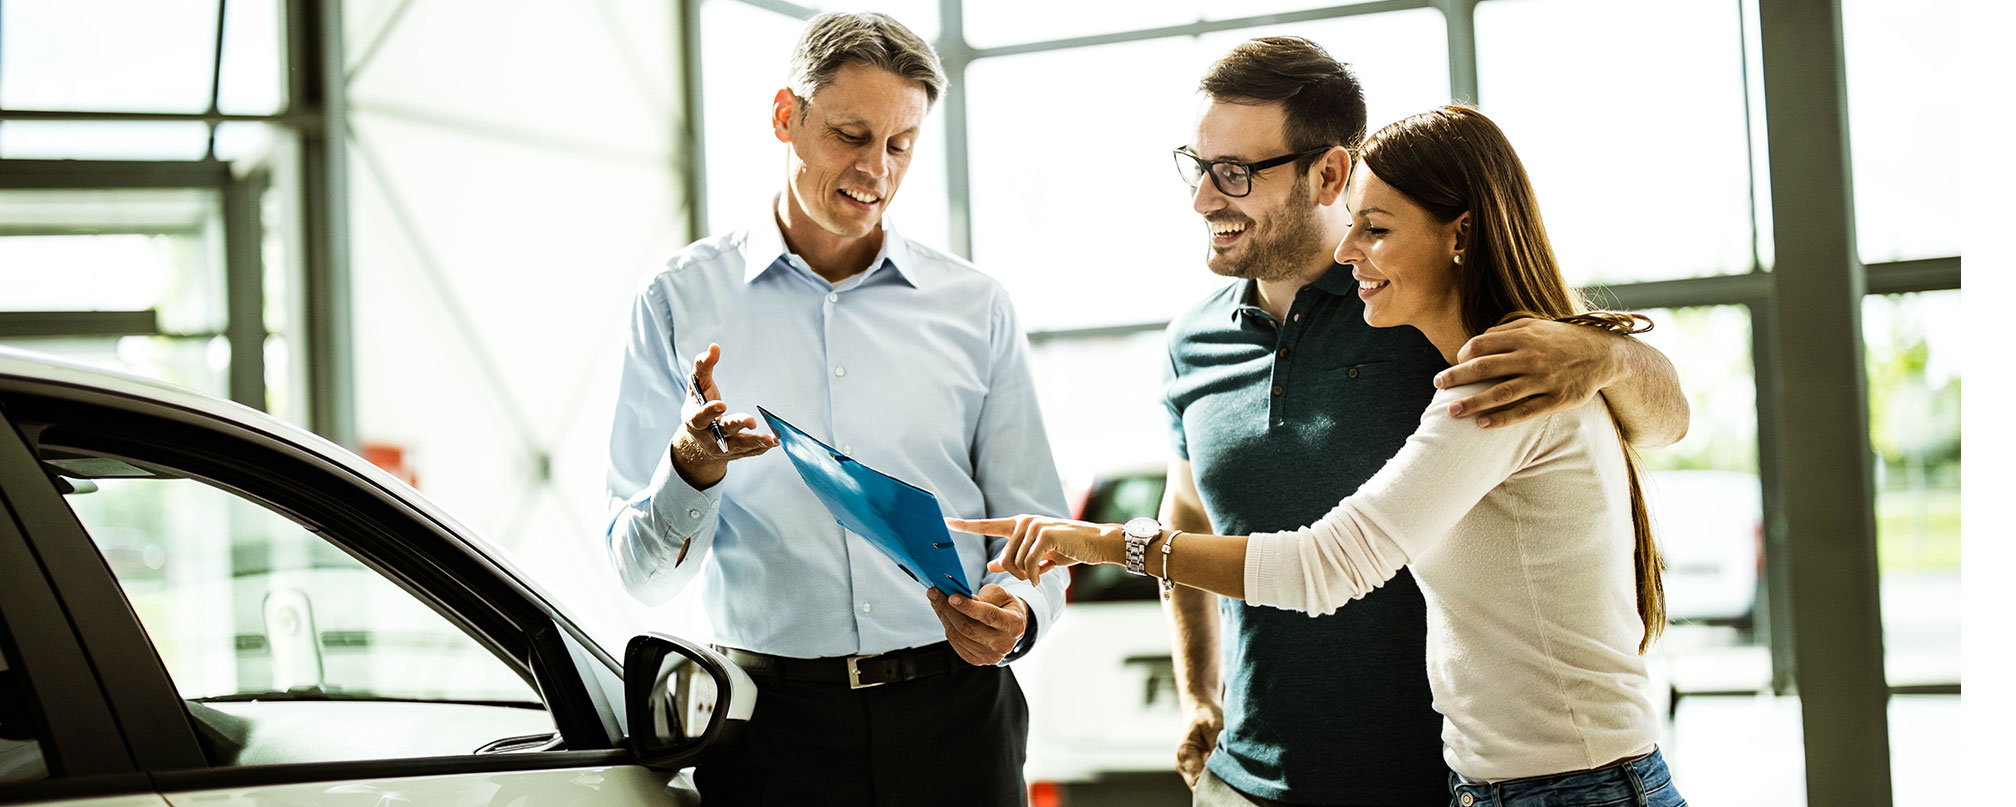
679	698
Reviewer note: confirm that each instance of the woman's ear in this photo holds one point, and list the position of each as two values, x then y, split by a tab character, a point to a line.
1460	230
782	108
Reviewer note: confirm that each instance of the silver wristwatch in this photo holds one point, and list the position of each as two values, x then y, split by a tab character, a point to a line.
1138	531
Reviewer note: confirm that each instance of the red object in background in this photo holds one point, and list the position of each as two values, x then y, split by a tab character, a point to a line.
392	459
1046	794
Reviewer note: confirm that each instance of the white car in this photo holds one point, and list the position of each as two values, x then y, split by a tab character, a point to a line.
202	604
1710	528
1104	718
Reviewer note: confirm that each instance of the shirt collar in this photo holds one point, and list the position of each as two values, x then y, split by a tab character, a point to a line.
763	250
1336	280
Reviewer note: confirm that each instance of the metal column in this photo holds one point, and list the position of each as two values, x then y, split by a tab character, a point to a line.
1837	628
316	84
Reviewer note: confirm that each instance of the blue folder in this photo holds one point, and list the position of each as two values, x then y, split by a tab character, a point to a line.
899	518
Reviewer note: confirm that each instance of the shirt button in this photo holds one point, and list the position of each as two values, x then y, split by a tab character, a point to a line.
1277	389
833	298
1351	373
1283	353
840	371
1296	318
693	514
867	607
847	449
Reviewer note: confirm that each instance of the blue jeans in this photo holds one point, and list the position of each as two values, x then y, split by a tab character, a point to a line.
1636	782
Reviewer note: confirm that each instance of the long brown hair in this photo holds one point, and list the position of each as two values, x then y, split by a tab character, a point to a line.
1453	160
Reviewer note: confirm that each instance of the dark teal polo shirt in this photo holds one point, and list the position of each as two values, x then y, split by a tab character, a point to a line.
1280	421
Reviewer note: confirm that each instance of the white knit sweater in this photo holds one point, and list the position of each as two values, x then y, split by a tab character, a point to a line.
1520	537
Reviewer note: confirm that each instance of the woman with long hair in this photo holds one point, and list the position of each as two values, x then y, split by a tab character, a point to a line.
1530	541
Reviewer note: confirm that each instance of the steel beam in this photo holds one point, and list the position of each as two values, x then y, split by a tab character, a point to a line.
316	86
1828	487
111	174
85	324
245	290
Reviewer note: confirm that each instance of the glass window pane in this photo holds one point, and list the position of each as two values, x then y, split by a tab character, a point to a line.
1705	498
107	55
262	620
253	80
1908	156
1401	58
1927	733
240	140
202	364
1122	430
1913	344
920	16
126	250
1121	226
1636	129
86	272
101	140
990	23
741	75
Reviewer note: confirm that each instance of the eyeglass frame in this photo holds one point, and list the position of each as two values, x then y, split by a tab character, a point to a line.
1252	169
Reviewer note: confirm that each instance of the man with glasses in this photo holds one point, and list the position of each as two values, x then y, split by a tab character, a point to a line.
1282	402
900	355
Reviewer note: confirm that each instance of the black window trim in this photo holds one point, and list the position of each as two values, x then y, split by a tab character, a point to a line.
82	745
450	577
143	701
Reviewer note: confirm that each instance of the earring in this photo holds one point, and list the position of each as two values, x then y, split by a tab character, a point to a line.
1459	259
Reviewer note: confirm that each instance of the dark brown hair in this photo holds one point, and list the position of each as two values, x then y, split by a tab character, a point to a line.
1453	160
1321	98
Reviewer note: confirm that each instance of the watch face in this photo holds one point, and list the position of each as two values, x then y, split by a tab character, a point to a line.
1142	527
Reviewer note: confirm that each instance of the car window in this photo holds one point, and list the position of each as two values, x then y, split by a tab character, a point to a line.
288	648
1115	499
20	750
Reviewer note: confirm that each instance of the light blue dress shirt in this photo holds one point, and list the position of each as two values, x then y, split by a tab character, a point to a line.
916	367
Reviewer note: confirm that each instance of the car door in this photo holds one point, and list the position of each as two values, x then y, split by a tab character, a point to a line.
269	628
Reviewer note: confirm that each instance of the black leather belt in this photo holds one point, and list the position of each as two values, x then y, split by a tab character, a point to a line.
857	672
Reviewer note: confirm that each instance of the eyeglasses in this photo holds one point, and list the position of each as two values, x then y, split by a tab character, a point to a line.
1230	177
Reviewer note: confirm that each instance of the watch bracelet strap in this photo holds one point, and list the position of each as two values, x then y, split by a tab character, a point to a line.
1137	553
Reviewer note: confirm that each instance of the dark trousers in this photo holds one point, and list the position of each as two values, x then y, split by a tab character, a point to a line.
956	738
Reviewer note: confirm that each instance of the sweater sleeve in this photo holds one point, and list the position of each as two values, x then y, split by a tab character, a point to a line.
1446	467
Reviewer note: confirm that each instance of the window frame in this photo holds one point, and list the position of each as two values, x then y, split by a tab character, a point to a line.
380	529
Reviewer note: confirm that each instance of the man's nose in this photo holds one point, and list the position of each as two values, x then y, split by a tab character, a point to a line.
1205	197
874	164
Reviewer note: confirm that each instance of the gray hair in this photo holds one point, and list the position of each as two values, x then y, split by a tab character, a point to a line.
835	40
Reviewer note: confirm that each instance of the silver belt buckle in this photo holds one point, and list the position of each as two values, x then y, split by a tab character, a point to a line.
854	673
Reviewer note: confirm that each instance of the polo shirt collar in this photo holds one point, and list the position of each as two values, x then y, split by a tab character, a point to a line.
763	250
1336	280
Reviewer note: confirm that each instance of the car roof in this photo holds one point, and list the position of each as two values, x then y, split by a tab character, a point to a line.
54	372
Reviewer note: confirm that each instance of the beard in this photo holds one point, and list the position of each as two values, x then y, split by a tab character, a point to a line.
1279	248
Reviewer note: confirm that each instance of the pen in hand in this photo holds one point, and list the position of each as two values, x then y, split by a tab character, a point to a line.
714	426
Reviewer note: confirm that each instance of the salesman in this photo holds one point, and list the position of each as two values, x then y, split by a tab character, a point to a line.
904	357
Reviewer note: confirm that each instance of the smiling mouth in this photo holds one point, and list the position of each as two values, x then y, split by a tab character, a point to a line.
1373	285
860	196
1225	232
